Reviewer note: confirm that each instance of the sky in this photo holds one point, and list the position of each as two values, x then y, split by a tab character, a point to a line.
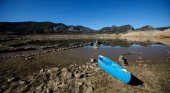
90	13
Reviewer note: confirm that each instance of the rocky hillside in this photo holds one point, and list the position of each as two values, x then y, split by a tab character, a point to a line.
163	28
117	29
30	27
39	28
146	28
149	28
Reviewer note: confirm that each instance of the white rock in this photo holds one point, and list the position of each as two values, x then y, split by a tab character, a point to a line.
92	60
79	83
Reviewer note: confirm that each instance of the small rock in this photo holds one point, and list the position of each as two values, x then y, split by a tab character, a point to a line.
69	81
49	90
79	83
140	57
92	60
13	79
89	89
83	66
41	71
53	73
124	89
53	70
91	43
88	83
97	69
79	75
14	85
22	82
92	67
69	75
28	58
65	74
123	60
64	70
40	87
61	85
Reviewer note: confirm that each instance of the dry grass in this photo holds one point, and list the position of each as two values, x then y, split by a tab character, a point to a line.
148	34
163	34
145	36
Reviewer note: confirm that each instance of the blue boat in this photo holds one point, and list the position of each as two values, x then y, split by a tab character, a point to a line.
114	69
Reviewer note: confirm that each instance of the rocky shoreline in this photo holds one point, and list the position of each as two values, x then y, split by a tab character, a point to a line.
38	53
73	79
87	78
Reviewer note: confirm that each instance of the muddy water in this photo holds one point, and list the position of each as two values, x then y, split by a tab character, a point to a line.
153	53
135	53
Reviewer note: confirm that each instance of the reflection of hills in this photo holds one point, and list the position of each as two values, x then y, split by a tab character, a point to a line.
143	43
126	43
118	42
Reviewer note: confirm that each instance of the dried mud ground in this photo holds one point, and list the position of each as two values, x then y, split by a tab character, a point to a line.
88	78
37	71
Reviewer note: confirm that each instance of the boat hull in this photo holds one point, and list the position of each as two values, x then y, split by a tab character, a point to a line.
114	69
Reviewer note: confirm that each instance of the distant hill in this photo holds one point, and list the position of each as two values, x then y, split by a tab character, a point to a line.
31	27
117	29
163	28
146	28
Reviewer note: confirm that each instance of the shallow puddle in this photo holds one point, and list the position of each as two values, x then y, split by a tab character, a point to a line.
153	53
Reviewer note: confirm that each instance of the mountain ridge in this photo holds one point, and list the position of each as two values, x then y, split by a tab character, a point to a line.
32	27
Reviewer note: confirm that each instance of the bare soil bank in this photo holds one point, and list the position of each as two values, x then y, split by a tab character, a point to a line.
148	36
139	36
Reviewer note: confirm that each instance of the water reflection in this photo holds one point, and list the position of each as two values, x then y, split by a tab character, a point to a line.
96	44
121	44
